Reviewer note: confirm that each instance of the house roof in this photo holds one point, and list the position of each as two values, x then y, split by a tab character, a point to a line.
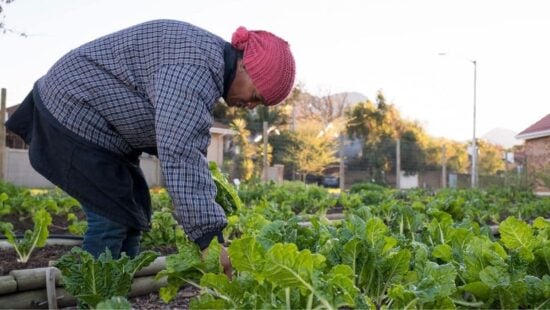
539	129
11	109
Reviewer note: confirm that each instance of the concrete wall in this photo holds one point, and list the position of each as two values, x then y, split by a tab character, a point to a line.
20	172
18	169
215	149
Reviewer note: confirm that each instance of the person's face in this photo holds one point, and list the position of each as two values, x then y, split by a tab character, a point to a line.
242	92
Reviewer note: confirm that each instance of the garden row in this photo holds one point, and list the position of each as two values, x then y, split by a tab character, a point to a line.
394	249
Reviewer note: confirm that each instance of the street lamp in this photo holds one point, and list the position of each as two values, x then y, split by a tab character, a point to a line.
474	143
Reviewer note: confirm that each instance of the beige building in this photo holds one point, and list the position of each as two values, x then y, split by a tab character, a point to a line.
537	152
18	170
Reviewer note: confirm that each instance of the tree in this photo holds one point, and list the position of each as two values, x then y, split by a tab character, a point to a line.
490	158
379	125
283	146
3	29
313	151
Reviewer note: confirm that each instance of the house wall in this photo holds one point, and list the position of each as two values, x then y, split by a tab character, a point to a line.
215	149
18	170
537	152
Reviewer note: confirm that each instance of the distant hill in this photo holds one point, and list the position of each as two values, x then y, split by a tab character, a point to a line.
503	137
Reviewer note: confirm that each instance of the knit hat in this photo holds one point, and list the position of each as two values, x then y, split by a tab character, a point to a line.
268	62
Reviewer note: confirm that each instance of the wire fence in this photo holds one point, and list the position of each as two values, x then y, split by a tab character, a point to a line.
435	167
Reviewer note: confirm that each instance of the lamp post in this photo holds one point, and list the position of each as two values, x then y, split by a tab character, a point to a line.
474	142
473	172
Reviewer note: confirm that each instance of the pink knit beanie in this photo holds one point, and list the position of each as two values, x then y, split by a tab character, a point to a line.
268	62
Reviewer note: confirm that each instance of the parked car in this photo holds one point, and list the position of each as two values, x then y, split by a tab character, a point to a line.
330	181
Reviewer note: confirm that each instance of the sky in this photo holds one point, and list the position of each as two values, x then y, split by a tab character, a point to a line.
340	45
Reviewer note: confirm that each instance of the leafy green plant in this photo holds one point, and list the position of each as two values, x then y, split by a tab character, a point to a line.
163	230
226	195
76	226
188	265
5	207
32	239
115	303
92	281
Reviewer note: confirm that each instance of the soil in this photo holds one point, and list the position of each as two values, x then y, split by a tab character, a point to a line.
58	227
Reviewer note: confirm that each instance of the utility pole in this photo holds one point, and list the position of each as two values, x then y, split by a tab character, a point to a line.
443	166
264	174
474	142
398	164
2	134
342	164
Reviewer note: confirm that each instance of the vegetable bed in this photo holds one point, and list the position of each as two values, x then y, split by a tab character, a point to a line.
391	249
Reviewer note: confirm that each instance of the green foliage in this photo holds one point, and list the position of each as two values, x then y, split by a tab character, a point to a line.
114	303
299	197
163	230
188	265
5	207
76	226
226	195
411	249
160	200
313	151
32	239
93	281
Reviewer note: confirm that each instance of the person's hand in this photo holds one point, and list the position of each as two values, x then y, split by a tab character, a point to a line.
224	261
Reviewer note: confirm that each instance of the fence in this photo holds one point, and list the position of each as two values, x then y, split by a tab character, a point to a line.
433	167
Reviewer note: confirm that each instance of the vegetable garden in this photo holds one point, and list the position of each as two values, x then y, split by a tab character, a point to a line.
383	248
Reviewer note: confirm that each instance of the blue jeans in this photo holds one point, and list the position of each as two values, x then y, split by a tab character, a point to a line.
103	233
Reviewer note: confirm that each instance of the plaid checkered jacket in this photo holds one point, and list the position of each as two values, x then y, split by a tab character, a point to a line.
150	85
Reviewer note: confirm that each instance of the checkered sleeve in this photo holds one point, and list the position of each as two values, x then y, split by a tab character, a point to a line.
182	122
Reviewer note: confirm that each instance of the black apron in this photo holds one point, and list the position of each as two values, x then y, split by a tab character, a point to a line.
110	184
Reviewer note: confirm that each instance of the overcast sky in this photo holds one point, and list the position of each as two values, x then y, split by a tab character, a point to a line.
339	45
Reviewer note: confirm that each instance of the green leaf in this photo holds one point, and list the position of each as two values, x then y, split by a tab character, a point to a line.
479	289
493	277
538	290
541	223
443	252
32	239
212	257
114	303
226	195
182	267
436	281
208	302
340	283
375	232
167	293
479	253
230	292
287	267
92	281
517	235
247	255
